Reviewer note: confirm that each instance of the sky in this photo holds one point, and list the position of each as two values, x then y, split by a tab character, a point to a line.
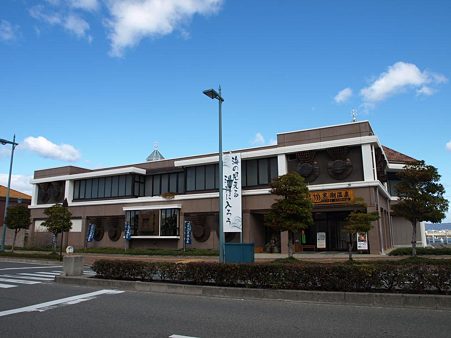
99	83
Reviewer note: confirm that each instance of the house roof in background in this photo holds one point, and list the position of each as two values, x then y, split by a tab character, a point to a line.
394	156
13	193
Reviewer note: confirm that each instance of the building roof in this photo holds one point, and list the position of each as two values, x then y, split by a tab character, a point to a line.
13	193
394	156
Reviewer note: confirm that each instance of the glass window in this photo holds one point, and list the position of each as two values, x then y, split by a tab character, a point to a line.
82	188
181	183
156	185
169	222
95	188
263	171
149	186
128	185
148	223
164	183
273	168
173	182
200	178
121	185
88	188
76	190
108	186
191	178
252	173
114	186
243	173
210	177
101	189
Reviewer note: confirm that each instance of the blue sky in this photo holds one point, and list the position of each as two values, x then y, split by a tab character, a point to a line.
97	83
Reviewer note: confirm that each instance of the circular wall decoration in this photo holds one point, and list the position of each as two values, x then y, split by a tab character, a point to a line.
114	233
201	232
99	232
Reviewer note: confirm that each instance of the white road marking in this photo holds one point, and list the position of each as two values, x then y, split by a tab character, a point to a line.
7	286
63	301
32	267
37	274
179	336
29	277
49	273
18	281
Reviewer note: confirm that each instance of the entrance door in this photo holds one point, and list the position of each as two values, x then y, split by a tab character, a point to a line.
331	223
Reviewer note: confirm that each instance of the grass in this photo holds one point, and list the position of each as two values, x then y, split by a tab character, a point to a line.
51	256
132	251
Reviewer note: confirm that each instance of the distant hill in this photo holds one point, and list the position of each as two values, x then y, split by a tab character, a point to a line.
438	226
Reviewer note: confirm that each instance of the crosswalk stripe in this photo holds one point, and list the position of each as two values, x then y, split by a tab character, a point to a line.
18	281
33	274
50	273
7	286
28	277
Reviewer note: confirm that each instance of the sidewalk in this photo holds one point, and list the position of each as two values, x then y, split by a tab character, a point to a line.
434	302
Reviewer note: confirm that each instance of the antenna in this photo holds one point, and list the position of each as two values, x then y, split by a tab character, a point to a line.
155	145
354	115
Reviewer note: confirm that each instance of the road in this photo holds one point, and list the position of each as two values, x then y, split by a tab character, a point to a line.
47	309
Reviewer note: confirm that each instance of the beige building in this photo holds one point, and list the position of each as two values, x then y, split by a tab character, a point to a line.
340	163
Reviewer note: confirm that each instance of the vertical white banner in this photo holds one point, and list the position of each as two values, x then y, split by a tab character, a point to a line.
231	183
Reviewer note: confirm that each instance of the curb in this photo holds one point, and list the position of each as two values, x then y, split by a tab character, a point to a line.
30	261
434	302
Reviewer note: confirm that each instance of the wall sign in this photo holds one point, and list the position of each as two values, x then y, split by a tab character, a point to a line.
362	241
320	240
332	196
231	183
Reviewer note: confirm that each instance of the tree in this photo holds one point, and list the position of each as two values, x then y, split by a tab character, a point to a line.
358	221
420	196
293	211
17	218
58	221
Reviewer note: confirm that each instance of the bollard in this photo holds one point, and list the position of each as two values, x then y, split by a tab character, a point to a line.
72	265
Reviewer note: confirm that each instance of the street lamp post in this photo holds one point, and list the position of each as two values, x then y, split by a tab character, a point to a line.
213	94
13	145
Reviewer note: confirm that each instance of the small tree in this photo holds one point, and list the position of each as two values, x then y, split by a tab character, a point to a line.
420	196
293	211
58	221
17	218
358	221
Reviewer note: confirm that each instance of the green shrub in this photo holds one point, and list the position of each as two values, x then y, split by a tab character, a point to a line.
383	277
420	251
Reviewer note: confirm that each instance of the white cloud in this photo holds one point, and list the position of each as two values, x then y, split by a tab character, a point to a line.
48	149
133	20
398	78
8	32
87	5
258	140
18	182
71	22
343	95
76	25
448	146
38	12
425	90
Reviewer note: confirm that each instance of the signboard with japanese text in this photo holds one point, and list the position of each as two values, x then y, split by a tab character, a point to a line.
342	196
320	240
188	232
231	182
362	241
91	232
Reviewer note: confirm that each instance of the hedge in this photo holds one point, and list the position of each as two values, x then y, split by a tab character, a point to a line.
397	278
420	251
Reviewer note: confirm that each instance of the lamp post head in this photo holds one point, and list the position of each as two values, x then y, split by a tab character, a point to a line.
213	94
3	141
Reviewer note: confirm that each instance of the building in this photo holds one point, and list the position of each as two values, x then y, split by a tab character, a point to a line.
340	163
15	197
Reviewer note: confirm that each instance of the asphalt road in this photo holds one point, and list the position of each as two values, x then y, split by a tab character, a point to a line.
68	311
